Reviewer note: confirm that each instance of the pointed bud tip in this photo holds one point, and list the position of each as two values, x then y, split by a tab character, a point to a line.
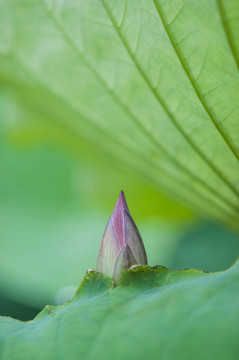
122	201
120	204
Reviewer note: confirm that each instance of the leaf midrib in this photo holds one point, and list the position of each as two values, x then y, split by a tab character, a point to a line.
228	31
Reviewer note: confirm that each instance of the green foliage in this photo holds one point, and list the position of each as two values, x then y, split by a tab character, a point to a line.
153	313
153	87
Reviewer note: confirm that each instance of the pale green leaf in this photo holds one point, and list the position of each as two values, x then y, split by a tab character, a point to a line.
153	86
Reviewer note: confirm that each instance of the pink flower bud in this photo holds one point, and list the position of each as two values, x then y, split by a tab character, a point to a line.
121	246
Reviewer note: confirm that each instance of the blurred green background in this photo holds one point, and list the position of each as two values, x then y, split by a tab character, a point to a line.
56	197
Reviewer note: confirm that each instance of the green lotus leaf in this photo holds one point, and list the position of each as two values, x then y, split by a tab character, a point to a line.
153	313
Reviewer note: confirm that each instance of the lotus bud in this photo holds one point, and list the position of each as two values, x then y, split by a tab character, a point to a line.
121	245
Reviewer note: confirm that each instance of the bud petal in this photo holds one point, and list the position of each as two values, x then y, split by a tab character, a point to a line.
133	239
124	261
109	250
121	246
